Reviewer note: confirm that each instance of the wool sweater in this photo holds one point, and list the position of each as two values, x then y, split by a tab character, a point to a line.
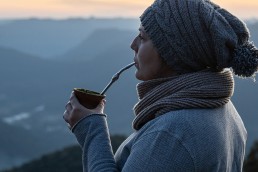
197	140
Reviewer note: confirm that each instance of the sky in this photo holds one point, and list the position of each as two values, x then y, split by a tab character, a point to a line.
10	9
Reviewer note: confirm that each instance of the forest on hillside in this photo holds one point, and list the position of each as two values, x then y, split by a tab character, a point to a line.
69	159
66	160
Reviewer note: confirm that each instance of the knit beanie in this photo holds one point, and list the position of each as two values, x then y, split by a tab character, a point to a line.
191	35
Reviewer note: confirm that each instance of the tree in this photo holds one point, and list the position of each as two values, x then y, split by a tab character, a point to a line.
66	160
251	161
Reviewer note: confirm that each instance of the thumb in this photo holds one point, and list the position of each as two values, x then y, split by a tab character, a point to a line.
74	101
100	107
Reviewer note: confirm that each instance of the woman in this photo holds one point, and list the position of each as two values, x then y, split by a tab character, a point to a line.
184	120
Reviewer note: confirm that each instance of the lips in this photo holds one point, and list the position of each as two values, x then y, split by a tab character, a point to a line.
135	61
136	65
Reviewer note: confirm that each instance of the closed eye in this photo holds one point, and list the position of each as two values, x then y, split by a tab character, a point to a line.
140	36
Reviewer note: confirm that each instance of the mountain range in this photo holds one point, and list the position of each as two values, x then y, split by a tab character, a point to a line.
35	91
48	38
65	160
36	82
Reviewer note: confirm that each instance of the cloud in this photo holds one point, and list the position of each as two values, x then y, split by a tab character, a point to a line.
106	8
114	3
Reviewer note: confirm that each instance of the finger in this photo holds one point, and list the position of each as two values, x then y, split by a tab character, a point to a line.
101	105
103	102
69	126
65	116
74	101
68	106
71	94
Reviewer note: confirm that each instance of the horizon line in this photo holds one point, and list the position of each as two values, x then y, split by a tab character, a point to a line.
68	18
83	18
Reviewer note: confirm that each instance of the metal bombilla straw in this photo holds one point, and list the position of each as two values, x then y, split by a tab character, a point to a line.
116	77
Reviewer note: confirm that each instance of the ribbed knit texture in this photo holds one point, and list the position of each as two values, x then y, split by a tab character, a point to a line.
191	35
204	89
200	140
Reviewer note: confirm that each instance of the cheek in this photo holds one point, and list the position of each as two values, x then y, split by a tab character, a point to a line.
149	66
145	55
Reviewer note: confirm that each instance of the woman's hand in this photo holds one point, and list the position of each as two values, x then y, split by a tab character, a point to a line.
74	111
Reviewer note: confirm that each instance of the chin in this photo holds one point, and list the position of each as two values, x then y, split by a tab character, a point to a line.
138	76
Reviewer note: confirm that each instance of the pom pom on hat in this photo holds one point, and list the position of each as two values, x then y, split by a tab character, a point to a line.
245	60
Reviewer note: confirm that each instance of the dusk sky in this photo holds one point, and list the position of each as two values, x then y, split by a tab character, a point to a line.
102	8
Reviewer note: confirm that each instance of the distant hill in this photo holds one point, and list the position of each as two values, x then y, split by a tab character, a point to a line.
66	160
33	93
19	145
13	54
101	40
49	38
15	149
253	27
69	159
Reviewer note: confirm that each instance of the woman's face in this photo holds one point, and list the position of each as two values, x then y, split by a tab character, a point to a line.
148	63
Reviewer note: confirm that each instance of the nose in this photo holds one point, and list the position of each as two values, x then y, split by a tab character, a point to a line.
134	45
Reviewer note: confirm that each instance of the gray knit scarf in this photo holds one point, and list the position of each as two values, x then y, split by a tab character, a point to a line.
203	89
